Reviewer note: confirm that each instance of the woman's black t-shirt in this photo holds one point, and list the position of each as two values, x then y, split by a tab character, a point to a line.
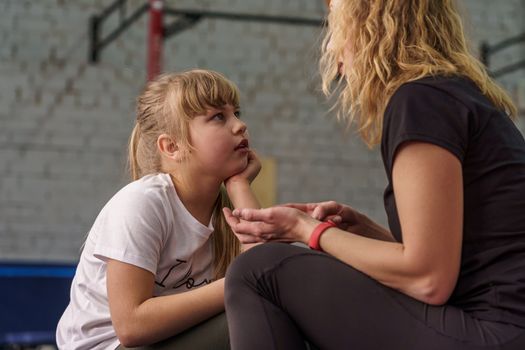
452	113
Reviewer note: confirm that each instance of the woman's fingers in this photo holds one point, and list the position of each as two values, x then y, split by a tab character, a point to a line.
247	239
299	206
304	207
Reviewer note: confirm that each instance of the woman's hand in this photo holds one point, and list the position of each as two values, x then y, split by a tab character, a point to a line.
344	216
280	224
249	173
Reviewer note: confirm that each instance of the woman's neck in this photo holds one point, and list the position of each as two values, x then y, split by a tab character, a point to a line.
198	196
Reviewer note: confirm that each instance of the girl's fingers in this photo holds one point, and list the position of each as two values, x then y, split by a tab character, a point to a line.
230	218
255	229
318	213
336	219
239	227
253	214
324	209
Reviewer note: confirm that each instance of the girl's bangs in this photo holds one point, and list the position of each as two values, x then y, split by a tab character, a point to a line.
208	90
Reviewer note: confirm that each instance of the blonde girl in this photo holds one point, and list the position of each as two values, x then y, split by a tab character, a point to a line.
449	273
153	263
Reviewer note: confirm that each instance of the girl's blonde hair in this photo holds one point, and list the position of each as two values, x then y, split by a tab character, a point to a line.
166	106
392	42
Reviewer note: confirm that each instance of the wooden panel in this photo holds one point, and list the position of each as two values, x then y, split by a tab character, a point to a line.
264	186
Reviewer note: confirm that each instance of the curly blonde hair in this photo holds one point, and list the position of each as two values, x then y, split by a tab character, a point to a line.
166	106
392	42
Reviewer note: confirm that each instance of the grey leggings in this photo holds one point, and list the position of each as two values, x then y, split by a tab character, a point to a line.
211	334
278	294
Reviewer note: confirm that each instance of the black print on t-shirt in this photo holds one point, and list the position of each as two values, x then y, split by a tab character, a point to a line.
186	280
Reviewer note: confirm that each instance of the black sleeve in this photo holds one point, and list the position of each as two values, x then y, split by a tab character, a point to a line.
418	112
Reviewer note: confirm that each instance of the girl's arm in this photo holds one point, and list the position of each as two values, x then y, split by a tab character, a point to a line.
241	194
240	191
428	187
238	185
140	319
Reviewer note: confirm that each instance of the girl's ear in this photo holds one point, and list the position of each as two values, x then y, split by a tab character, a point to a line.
169	148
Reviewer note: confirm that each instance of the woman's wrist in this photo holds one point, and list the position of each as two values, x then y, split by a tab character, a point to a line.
319	230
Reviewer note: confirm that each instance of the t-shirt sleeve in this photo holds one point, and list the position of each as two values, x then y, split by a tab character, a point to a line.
418	112
131	228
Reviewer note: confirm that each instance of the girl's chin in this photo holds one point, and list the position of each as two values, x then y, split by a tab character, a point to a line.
238	169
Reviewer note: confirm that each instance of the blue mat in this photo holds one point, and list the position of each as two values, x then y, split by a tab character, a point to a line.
32	299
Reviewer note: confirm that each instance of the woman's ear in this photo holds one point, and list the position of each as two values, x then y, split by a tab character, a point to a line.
169	148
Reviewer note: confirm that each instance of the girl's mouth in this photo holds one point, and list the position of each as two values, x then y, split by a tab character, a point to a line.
244	144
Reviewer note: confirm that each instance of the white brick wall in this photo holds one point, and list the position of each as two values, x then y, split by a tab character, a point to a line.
64	124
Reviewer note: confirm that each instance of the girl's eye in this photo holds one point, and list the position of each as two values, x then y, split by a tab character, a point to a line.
218	116
237	114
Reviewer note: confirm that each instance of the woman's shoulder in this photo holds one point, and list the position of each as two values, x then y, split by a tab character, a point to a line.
427	110
439	87
444	92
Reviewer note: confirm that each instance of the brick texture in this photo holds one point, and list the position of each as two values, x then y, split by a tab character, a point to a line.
65	123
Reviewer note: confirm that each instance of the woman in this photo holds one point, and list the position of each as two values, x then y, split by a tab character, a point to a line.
450	272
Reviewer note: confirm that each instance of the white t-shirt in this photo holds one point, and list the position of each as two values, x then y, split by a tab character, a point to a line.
144	224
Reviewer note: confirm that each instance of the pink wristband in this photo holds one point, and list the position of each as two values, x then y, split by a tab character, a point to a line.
313	243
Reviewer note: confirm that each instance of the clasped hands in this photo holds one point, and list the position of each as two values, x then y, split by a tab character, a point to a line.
292	222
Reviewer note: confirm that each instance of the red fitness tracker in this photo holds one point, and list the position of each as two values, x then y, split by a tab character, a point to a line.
313	243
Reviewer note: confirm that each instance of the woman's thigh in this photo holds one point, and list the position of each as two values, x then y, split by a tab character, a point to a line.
211	334
338	307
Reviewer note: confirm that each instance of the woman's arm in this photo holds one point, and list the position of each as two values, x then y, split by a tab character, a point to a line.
141	319
428	187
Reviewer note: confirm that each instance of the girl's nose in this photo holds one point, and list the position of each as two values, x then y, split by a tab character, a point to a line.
239	127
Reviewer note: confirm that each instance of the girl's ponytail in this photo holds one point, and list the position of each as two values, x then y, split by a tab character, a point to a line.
226	246
133	163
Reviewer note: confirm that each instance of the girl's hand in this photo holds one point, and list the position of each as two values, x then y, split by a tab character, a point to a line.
249	173
344	216
280	224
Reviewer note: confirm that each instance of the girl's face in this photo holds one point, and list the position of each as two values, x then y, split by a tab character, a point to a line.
220	143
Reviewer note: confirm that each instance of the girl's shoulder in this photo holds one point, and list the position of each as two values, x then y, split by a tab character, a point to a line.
150	190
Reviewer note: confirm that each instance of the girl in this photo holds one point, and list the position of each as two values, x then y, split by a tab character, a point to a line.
450	272
154	260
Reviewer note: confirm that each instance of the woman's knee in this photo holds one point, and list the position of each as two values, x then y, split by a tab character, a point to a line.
250	265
